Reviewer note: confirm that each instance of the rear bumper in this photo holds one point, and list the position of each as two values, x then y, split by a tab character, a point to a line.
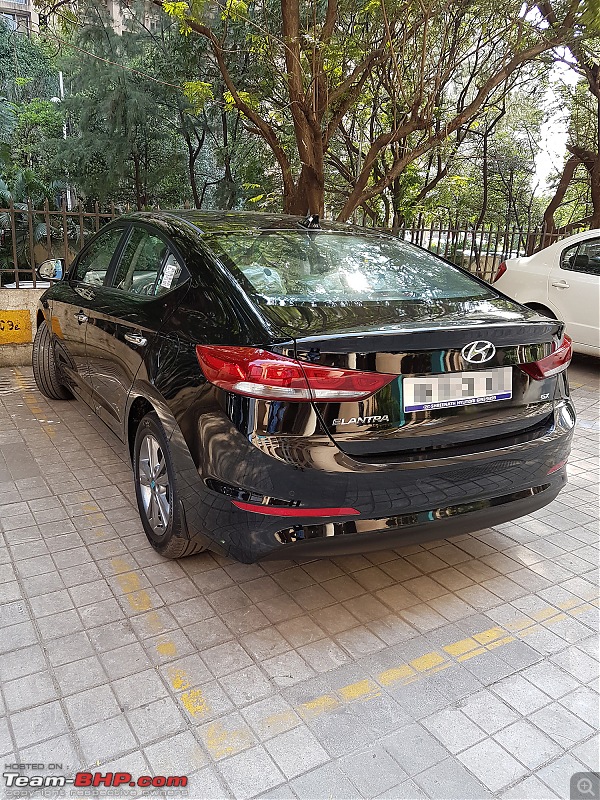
398	504
382	534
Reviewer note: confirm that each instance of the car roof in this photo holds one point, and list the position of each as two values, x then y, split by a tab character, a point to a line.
207	222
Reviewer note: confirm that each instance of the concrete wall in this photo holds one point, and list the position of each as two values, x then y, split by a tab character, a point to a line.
17	325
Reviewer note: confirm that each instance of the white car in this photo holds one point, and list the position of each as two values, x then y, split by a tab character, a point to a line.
561	281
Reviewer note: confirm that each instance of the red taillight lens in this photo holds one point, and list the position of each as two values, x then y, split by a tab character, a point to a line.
260	373
556	362
499	272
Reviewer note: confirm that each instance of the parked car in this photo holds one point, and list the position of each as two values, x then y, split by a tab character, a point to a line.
563	282
292	389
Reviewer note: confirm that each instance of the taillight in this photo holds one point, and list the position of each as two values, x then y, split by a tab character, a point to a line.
260	373
556	362
499	272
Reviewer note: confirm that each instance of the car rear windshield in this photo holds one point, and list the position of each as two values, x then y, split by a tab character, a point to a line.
336	267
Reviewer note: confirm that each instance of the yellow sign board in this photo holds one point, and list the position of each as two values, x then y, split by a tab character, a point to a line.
15	327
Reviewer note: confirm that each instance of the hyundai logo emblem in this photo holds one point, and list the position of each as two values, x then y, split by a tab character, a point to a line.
478	352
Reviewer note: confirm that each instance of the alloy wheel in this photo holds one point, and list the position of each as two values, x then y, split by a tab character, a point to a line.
154	484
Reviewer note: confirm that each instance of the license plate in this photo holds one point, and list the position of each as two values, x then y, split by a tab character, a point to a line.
457	389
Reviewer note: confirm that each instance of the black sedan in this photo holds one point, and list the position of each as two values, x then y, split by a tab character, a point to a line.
291	388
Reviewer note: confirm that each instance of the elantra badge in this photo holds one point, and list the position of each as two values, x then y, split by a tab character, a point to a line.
361	420
478	352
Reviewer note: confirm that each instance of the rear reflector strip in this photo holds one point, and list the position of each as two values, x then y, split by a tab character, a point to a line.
556	467
281	511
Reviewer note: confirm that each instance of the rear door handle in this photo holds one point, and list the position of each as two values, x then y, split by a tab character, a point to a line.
136	338
560	284
81	317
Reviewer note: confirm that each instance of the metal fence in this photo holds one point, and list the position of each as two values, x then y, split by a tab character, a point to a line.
29	236
482	249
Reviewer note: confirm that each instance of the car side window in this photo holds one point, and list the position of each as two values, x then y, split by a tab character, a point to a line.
583	257
94	262
141	262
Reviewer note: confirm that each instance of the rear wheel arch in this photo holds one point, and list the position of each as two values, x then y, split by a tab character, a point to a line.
139	408
542	309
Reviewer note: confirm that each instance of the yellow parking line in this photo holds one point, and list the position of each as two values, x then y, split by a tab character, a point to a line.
428	661
361	690
489	635
194	702
395	674
459	648
320	705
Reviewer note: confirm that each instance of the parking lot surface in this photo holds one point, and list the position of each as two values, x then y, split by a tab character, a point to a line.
464	668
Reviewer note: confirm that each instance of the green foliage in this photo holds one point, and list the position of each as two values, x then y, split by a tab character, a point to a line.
197	93
26	67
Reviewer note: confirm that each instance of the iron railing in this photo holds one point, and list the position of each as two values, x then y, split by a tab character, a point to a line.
29	236
482	249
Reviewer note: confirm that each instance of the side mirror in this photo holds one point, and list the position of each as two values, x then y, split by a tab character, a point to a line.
52	270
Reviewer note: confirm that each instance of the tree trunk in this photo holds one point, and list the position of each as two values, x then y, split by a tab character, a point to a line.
309	194
565	179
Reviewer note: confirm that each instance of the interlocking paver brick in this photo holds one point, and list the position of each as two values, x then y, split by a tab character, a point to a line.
449	780
557	775
414	749
454	729
527	743
372	771
39	723
529	789
296	751
107	739
492	765
250	773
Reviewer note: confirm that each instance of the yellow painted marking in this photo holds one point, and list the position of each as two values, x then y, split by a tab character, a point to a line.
441	667
166	648
500	642
566	605
544	613
472	654
558	618
195	703
90	507
359	690
488	636
532	629
128	581
283	719
15	327
428	661
314	708
585	607
121	565
221	742
395	674
139	601
179	679
520	624
458	648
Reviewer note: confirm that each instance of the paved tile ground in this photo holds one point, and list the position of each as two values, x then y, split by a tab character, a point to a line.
465	668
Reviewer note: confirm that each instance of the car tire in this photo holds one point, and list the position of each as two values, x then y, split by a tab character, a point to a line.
156	492
45	369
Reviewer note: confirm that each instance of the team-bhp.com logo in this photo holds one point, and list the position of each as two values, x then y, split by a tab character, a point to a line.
89	780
